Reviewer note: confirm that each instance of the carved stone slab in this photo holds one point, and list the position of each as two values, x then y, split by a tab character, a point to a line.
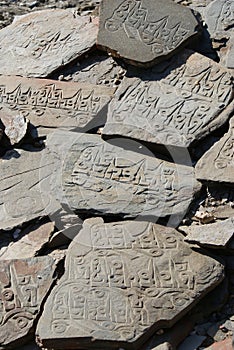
99	177
122	282
23	286
181	103
144	31
36	44
218	163
53	104
215	235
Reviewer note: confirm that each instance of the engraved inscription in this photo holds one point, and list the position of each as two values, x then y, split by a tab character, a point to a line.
159	35
129	277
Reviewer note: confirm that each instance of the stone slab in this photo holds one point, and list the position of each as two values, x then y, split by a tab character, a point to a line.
217	164
216	235
37	44
177	103
122	282
219	17
50	104
15	126
100	177
144	31
30	242
24	284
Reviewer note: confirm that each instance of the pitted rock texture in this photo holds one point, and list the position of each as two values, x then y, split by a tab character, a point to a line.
24	284
175	104
144	31
36	44
50	104
217	164
122	282
99	177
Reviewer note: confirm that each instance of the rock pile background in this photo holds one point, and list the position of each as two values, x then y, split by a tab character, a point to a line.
47	190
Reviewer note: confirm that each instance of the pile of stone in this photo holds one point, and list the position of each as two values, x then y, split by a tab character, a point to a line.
116	169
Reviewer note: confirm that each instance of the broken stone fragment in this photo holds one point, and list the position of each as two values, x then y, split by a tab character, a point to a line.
176	103
30	242
24	284
146	31
216	235
15	124
37	44
217	164
124	281
50	104
100	177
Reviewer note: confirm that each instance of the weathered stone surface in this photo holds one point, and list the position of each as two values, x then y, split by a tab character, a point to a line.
216	235
217	164
230	54
23	285
30	243
36	44
175	104
122	282
51	104
15	125
26	186
219	17
144	31
100	177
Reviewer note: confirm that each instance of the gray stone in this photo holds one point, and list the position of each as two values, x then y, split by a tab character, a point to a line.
50	104
30	242
24	284
219	17
37	44
144	31
217	164
230	54
216	235
175	104
25	181
15	125
99	177
123	281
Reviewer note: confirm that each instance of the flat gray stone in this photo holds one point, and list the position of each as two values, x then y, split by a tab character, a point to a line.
30	242
37	44
144	31
215	235
122	282
175	104
50	104
24	284
217	164
219	17
99	177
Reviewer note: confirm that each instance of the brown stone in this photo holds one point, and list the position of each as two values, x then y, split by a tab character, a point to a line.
30	242
144	31
37	44
24	285
217	164
50	104
123	281
175	104
100	177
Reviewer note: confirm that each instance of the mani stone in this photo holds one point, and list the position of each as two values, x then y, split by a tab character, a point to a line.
123	281
37	44
100	177
50	104
144	31
176	104
216	235
217	164
24	284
